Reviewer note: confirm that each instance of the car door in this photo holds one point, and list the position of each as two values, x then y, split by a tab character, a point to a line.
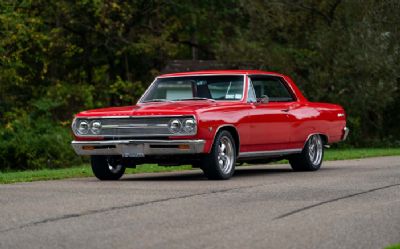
271	122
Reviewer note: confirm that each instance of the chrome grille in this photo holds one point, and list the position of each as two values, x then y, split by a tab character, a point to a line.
135	126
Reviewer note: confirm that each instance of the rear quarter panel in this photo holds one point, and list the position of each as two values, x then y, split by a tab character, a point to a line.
318	118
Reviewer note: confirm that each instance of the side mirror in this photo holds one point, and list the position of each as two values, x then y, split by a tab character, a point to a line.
263	100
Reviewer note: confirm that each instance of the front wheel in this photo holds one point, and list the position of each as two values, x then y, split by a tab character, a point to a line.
220	163
107	167
310	159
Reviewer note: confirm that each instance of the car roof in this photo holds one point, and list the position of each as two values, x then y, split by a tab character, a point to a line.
220	72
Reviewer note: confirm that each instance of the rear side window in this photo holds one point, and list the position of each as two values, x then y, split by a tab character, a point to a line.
273	87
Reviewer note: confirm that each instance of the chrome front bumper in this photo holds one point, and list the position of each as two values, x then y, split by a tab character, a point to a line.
138	148
345	133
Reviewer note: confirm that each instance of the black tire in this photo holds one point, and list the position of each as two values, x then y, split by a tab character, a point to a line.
107	168
220	165
310	159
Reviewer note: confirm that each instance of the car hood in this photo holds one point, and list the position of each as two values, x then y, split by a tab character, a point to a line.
154	108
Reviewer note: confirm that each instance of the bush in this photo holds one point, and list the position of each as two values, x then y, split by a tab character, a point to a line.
28	144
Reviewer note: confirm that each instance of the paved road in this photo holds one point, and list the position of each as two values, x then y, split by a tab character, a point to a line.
347	204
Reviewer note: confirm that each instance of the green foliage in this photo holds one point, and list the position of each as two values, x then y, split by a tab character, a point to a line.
35	144
60	57
126	91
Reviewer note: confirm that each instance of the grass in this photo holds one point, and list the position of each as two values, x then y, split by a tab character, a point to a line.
74	172
85	171
344	154
397	246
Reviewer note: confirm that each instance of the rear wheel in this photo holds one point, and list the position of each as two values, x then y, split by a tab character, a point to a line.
107	167
310	159
220	162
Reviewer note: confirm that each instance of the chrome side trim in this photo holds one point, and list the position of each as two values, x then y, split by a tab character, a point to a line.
138	148
269	153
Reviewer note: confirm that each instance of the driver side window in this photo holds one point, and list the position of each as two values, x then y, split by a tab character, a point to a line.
273	87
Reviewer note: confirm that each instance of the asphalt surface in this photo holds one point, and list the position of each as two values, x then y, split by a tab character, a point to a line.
347	204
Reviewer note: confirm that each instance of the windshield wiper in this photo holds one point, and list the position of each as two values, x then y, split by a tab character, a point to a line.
194	98
156	100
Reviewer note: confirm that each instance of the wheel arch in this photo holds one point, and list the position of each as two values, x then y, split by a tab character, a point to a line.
233	131
324	137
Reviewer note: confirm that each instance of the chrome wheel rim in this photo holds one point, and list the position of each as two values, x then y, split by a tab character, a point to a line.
225	155
114	166
315	148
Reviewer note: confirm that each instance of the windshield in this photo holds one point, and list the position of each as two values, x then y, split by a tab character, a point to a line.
196	88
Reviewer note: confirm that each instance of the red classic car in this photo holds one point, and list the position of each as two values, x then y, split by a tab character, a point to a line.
213	120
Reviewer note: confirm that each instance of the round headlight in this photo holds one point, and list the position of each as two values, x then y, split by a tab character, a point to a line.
83	127
189	125
95	127
175	125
